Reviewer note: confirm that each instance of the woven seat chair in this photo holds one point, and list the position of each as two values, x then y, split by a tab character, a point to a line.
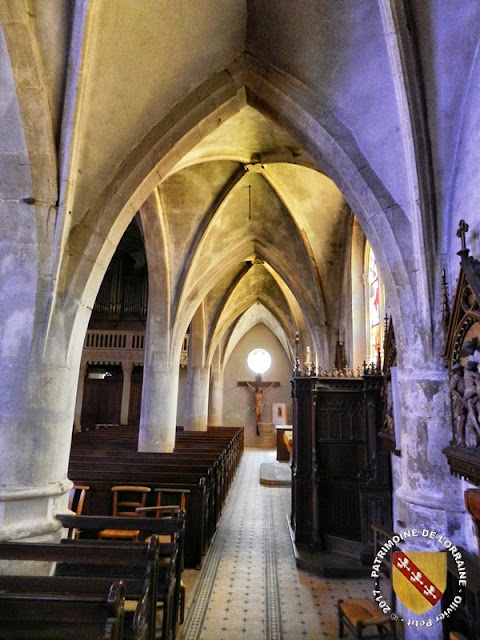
126	499
360	615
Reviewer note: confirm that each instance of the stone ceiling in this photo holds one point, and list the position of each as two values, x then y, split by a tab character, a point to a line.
257	130
257	196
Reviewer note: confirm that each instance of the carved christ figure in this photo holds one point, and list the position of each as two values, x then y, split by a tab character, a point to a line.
258	394
460	409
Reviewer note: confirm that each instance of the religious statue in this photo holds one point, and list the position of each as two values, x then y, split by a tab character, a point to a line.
387	393
460	411
258	393
471	400
464	388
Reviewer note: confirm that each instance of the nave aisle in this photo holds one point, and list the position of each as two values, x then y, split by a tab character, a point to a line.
249	587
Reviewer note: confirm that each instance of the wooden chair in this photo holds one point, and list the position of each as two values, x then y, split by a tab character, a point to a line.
182	494
75	503
126	499
170	511
361	614
77	498
166	510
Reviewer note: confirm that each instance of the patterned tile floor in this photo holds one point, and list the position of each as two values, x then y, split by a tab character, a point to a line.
249	587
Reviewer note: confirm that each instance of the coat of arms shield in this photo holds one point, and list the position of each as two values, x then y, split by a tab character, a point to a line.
419	578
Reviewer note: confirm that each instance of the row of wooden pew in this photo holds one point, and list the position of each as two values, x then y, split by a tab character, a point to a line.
86	588
91	589
201	468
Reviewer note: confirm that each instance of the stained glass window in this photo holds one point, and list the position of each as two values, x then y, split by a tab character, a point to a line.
373	305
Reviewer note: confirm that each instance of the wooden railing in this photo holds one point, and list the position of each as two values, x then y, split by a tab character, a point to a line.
106	345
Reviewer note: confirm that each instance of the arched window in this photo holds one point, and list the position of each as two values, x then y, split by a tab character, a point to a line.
368	301
373	306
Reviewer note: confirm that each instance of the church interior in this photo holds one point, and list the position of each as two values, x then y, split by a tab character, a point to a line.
185	183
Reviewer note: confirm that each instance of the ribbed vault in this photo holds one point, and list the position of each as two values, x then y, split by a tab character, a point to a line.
241	230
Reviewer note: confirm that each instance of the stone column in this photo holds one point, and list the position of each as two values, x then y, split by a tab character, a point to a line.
127	383
425	497
158	417
215	405
196	400
36	420
77	421
428	497
196	397
37	398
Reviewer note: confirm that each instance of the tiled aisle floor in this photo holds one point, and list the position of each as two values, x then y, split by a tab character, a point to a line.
249	586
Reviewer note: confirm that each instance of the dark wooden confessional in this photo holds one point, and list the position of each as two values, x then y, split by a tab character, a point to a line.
341	478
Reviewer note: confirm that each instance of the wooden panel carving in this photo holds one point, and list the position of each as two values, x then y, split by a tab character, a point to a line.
462	357
337	459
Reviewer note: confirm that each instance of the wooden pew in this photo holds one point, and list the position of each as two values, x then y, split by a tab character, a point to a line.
170	562
124	467
214	455
198	523
211	465
224	456
229	438
85	570
26	614
149	573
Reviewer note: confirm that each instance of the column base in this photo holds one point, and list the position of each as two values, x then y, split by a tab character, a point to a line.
29	514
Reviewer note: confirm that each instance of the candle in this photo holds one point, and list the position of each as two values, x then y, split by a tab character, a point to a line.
307	360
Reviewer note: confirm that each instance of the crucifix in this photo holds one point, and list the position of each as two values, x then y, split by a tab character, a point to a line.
259	388
462	230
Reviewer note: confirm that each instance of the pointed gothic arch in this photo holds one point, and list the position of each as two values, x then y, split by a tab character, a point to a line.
326	139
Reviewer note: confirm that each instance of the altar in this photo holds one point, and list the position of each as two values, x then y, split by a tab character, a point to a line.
283	441
266	435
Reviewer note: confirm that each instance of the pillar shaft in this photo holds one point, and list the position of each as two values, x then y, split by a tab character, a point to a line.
127	383
196	405
77	422
196	397
159	405
215	405
37	408
422	502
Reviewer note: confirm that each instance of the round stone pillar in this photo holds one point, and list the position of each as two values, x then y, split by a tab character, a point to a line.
158	419
127	368
428	497
425	497
215	405
196	398
77	422
36	421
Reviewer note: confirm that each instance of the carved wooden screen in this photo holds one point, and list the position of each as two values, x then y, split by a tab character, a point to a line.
340	474
462	357
341	455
